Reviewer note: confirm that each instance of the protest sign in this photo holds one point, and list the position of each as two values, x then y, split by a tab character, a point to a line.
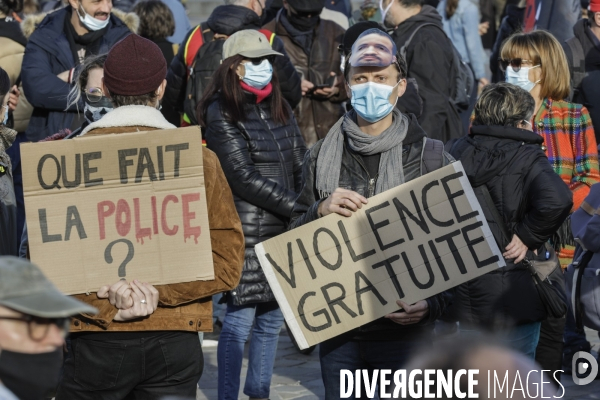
408	243
100	208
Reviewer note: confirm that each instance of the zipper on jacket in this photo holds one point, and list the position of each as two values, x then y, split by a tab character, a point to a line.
262	118
371	181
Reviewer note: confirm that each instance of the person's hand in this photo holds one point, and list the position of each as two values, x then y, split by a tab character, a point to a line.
119	294
327	92
411	314
516	250
13	98
306	86
342	202
145	302
483	82
483	28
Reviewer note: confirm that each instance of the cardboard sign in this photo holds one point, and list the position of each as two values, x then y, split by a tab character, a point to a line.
106	207
408	243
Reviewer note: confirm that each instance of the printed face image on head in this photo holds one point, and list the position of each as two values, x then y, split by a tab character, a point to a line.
373	48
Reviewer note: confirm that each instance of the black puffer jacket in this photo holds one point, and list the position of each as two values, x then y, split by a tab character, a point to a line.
354	176
511	23
533	201
227	20
263	165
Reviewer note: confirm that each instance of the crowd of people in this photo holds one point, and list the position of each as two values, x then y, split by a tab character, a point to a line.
306	108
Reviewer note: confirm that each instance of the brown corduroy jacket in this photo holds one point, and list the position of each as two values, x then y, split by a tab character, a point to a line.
181	306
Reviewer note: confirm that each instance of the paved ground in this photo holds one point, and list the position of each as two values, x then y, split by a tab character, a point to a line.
297	376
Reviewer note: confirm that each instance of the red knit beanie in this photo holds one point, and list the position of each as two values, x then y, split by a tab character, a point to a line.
134	66
594	6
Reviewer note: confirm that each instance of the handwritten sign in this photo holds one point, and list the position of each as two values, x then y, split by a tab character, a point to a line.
105	207
409	243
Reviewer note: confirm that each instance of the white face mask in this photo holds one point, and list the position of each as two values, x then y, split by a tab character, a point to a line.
385	11
520	78
93	24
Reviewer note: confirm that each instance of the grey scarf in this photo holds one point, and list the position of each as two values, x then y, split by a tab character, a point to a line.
389	144
7	137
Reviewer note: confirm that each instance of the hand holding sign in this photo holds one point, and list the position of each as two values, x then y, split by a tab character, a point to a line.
145	302
342	202
119	295
411	314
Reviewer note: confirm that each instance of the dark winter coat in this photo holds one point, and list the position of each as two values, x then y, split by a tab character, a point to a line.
315	115
511	23
262	162
227	20
533	202
588	92
47	55
354	176
8	203
429	58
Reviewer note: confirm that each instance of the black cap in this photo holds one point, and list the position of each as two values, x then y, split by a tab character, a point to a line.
355	31
307	6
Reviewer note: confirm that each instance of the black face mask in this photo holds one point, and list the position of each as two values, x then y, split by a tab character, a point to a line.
303	23
30	376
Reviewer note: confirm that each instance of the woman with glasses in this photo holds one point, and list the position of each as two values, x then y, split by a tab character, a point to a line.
525	204
88	87
8	203
537	63
251	128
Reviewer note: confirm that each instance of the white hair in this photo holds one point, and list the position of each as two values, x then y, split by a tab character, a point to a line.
236	2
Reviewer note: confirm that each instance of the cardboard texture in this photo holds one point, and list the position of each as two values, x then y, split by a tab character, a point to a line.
410	243
130	206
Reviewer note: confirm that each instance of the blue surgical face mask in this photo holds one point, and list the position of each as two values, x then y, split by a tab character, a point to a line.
258	76
372	100
5	120
520	78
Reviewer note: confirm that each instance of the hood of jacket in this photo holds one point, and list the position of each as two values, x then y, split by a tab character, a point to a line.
489	149
514	16
427	15
140	116
35	21
12	30
229	19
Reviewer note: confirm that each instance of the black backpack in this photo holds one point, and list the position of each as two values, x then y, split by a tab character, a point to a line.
205	53
578	70
464	81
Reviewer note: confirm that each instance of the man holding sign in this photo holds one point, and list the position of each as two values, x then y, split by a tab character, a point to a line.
143	343
373	148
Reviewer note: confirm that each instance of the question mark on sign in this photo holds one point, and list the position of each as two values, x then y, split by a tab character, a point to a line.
109	258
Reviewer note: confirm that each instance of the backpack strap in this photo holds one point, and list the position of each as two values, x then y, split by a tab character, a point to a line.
404	47
432	155
578	72
270	35
192	45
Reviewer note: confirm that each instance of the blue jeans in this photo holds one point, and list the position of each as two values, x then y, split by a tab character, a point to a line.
522	338
342	353
267	319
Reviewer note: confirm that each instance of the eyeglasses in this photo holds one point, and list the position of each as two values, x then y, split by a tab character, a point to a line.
93	95
39	327
515	63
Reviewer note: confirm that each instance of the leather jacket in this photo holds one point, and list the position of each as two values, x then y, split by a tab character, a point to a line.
262	161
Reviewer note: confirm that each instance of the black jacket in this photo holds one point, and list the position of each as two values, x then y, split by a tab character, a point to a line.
354	176
511	23
227	20
262	162
588	92
533	202
429	59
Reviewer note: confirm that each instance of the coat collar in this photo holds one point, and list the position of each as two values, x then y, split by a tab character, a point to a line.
131	116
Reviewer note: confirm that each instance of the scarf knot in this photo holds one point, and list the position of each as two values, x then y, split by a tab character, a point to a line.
388	144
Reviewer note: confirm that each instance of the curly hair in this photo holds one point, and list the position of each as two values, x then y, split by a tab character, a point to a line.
503	104
156	19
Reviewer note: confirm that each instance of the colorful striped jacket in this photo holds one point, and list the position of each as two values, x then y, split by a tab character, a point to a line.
570	145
